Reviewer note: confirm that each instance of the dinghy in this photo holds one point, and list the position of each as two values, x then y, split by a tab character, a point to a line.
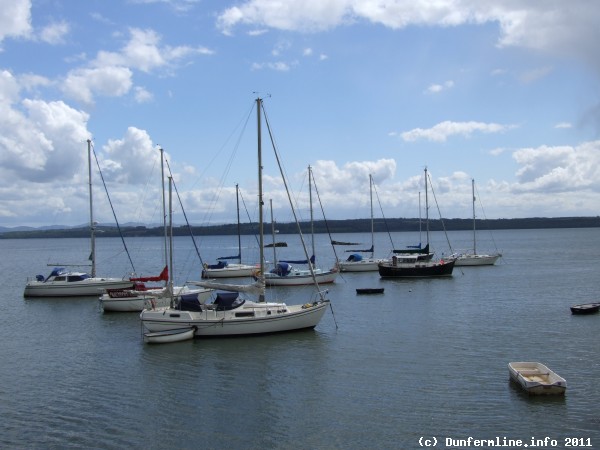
535	378
167	336
587	308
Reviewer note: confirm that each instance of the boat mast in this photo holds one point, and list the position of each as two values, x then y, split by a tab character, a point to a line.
312	225
164	207
92	225
426	208
372	225
273	233
237	202
261	297
473	195
171	239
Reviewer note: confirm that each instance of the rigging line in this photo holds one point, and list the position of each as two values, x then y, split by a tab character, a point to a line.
324	218
247	214
218	155
310	266
184	214
387	228
112	208
439	213
484	216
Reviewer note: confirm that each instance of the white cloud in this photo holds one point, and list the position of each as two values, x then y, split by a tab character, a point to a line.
110	73
443	130
437	88
563	125
549	169
15	19
142	95
551	26
55	33
83	84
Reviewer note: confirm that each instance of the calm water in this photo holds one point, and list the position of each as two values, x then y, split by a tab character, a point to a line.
426	359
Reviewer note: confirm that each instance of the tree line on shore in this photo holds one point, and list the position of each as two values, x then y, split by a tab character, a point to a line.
320	226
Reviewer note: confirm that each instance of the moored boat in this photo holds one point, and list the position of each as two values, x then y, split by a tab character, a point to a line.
537	379
411	266
368	291
585	308
168	336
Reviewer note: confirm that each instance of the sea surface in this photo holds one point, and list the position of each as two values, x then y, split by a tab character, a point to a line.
424	363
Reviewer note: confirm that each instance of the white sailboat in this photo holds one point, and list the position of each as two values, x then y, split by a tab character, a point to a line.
234	314
139	297
472	258
225	269
356	262
285	274
63	282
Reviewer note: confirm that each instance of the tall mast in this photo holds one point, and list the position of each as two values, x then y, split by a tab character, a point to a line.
273	233
372	225
171	239
237	201
261	298
312	226
473	195
92	225
426	208
164	207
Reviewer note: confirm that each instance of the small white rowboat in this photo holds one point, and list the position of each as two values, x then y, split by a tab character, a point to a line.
167	336
535	378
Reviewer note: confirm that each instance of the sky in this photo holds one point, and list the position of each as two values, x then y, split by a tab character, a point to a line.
505	92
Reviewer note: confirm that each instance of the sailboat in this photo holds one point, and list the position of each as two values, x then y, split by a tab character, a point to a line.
225	269
141	296
412	265
231	313
285	274
422	253
63	282
356	262
473	258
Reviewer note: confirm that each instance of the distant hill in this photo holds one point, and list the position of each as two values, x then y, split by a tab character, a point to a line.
320	226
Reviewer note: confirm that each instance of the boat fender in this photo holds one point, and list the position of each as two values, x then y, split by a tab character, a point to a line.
153	303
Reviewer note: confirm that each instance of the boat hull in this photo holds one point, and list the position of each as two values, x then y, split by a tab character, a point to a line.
231	271
588	308
247	320
419	269
476	260
369	291
300	279
83	288
365	265
536	379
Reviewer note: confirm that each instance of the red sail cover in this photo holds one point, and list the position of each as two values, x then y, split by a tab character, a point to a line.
164	276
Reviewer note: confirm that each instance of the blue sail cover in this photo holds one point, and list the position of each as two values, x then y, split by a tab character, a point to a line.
355	257
282	269
219	265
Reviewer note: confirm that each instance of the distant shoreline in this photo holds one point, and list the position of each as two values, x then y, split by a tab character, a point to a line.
320	226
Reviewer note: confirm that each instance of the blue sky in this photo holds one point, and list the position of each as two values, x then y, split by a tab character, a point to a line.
502	91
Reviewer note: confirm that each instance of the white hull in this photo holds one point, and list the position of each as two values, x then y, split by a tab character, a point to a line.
535	378
364	265
300	278
154	298
83	288
168	336
231	271
476	260
250	318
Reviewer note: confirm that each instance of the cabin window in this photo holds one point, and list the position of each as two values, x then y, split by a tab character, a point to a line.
60	278
245	314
